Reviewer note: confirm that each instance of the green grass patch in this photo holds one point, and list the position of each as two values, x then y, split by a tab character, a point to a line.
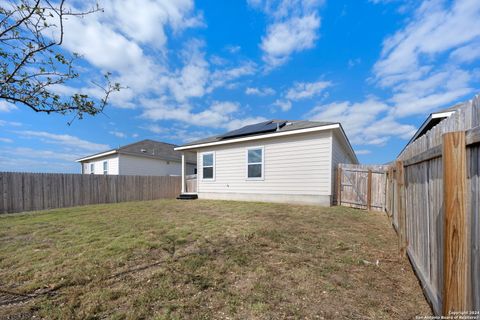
205	259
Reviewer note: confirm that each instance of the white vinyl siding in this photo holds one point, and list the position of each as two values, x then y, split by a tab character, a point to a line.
142	166
132	165
340	154
98	165
298	165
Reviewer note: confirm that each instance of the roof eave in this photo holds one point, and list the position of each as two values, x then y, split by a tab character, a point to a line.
352	151
258	137
98	155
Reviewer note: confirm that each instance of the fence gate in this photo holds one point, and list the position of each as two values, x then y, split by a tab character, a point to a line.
362	186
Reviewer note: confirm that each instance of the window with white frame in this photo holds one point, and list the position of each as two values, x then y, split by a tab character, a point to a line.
208	166
255	163
105	167
92	168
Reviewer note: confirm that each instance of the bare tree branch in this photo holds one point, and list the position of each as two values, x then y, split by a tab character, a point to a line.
32	62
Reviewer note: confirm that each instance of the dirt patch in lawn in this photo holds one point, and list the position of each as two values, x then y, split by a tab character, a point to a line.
204	260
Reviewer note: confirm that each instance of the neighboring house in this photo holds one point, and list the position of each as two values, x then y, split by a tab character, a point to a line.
275	161
432	120
143	158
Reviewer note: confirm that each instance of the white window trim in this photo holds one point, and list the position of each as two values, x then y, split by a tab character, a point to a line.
213	166
92	165
103	167
262	163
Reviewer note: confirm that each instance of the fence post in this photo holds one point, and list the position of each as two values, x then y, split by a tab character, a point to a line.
339	186
389	193
455	260
3	207
184	172
369	190
401	210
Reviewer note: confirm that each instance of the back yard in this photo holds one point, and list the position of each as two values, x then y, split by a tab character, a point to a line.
204	259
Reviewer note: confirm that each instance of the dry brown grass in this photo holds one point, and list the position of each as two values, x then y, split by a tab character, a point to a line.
204	260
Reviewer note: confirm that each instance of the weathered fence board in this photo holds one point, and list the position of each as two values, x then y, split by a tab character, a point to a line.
37	191
362	186
473	184
425	194
191	183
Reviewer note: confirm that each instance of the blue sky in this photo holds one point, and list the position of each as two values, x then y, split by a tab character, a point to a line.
197	68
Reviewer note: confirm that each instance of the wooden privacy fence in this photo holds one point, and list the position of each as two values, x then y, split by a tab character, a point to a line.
433	197
37	191
191	183
362	186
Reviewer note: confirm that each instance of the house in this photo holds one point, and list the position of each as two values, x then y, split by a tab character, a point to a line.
273	161
143	158
432	120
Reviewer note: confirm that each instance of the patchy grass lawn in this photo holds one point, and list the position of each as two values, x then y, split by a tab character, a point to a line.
198	259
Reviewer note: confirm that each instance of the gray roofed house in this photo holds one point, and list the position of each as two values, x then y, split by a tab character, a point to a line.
291	125
432	120
291	161
146	157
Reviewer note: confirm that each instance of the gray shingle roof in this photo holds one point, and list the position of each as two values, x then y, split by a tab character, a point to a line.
152	149
290	126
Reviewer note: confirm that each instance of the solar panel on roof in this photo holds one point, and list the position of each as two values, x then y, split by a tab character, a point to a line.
262	127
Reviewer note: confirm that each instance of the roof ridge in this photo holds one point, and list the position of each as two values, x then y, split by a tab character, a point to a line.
134	143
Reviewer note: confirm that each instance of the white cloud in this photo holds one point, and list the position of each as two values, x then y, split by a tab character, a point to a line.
233	49
284	105
422	63
219	78
366	122
38	154
404	5
6	106
17	163
362	151
130	40
293	28
284	38
65	140
354	62
118	134
303	90
196	79
165	84
9	123
218	115
6	140
467	53
191	80
253	91
146	20
300	91
180	134
155	128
